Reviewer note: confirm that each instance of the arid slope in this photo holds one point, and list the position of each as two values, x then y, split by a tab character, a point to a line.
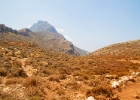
45	74
130	48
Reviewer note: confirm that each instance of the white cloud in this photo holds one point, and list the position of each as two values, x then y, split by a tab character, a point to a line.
67	37
62	31
59	30
29	26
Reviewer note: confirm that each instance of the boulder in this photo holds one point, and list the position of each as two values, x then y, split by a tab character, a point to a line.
115	84
91	98
111	76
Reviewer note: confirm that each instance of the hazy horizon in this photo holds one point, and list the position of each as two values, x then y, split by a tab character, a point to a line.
90	24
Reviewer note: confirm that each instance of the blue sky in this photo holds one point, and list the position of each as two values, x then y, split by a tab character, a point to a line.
89	24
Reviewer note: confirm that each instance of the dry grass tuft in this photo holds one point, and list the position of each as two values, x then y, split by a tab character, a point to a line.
11	81
100	90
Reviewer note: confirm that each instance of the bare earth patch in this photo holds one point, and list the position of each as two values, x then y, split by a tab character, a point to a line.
130	92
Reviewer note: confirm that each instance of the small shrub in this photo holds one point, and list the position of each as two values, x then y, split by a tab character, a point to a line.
86	77
5	96
3	72
60	92
54	78
73	86
62	76
32	91
17	72
31	82
45	72
33	88
35	98
100	90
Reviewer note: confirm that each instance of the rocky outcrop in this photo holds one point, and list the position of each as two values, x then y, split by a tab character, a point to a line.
24	31
2	28
5	29
9	29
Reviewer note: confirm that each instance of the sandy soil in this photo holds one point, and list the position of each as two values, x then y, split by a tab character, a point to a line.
130	91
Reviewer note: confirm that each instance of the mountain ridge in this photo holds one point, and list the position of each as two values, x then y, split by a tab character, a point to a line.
45	39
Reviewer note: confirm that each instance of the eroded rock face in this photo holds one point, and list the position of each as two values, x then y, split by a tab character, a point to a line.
9	29
2	28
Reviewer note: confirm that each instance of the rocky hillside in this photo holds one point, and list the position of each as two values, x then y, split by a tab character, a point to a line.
45	39
56	40
130	48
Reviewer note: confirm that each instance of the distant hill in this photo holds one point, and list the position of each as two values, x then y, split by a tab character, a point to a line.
129	48
80	51
42	26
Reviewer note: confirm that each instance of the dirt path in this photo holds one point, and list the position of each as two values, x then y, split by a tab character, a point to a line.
129	93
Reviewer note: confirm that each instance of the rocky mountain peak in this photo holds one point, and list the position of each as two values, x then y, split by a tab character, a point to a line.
42	26
40	22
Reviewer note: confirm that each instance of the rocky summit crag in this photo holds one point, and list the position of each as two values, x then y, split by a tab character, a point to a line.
42	26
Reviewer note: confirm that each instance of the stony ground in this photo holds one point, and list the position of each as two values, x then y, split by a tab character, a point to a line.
130	92
29	73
